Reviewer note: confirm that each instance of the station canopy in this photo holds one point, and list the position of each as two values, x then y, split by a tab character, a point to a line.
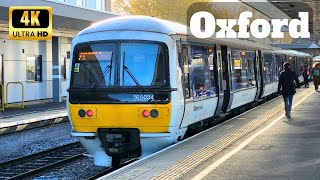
293	8
67	19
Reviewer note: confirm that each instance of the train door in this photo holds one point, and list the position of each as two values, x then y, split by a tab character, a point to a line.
187	90
283	60
258	73
219	79
1	78
262	67
226	75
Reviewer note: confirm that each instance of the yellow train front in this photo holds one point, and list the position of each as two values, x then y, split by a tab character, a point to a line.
123	89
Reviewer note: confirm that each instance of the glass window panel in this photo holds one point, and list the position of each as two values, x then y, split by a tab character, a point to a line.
242	69
278	66
269	69
31	69
185	66
202	68
99	5
94	65
151	59
91	4
63	68
300	64
73	2
79	2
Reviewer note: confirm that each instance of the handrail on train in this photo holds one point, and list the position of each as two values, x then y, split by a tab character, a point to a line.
2	97
22	93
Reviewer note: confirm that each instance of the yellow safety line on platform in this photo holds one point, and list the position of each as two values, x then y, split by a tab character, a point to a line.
195	159
22	93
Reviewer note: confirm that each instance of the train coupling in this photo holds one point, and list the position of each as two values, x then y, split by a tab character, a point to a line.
120	142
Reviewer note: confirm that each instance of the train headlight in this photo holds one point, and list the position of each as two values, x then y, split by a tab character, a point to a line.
145	113
82	113
154	113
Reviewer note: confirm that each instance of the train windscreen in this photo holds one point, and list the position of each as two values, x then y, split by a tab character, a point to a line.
128	71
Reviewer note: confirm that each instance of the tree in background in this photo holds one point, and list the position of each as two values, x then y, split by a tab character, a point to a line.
176	10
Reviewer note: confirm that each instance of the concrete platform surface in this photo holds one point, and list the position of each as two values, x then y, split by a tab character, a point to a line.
32	113
288	150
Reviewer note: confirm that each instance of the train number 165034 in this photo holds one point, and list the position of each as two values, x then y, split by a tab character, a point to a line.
143	97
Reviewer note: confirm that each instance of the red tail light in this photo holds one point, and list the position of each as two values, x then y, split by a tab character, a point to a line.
90	113
145	113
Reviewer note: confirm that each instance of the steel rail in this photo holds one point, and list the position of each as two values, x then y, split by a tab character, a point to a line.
28	166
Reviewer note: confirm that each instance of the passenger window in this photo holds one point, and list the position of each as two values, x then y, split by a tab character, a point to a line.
270	69
203	71
242	69
278	59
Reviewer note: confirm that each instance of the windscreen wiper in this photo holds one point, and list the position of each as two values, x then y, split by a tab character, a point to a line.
125	68
105	72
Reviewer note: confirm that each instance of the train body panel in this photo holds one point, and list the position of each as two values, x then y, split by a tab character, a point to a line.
270	89
199	110
243	97
121	115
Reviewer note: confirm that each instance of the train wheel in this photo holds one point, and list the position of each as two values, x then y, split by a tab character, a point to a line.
116	161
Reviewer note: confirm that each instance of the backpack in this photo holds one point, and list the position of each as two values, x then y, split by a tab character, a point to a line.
316	72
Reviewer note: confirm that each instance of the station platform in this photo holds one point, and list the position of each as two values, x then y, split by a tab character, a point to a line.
258	144
33	115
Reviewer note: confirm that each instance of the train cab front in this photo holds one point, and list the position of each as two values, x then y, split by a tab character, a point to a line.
120	98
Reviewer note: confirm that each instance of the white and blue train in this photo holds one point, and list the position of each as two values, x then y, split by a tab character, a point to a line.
139	83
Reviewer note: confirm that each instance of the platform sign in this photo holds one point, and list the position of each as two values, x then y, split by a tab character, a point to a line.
30	23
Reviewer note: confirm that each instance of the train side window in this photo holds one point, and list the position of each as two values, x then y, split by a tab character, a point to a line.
278	63
300	63
202	68
198	71
185	61
269	68
242	69
211	68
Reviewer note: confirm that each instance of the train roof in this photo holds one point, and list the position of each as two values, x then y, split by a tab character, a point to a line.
152	24
317	58
137	23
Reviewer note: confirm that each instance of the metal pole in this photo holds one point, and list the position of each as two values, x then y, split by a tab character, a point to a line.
56	78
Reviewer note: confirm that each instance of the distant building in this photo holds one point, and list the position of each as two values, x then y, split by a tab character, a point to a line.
31	62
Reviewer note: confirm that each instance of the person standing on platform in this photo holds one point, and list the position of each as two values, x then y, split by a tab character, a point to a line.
316	75
286	83
306	73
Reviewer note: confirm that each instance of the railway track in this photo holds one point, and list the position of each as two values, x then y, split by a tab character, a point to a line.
109	170
30	165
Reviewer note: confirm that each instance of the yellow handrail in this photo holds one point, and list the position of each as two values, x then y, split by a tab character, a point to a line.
7	99
2	97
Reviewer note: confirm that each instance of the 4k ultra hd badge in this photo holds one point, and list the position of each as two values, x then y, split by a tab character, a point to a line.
30	23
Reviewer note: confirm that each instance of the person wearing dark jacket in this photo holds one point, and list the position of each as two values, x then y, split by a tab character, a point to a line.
306	73
286	82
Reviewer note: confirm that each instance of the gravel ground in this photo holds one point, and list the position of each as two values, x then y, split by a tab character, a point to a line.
36	140
80	169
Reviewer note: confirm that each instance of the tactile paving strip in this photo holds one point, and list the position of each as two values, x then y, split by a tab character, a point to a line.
182	167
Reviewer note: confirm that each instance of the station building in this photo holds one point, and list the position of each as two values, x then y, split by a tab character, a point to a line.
42	66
